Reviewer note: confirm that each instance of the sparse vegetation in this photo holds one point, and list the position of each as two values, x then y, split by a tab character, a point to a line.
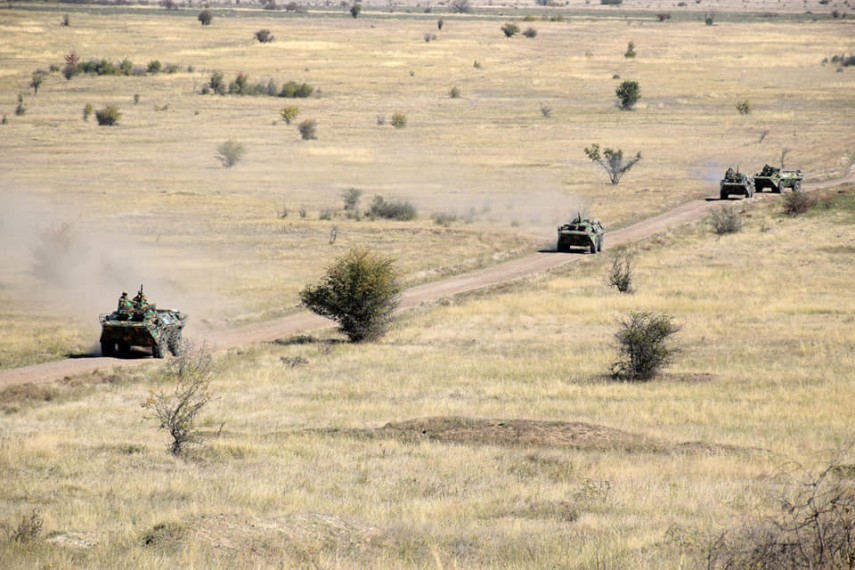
530	33
289	113
205	17
87	111
454	92
643	346
510	29
351	198
177	407
628	94
744	107
621	275
355	10
391	210
230	153
461	7
359	291
725	220
546	111
798	203
108	116
308	130
20	109
29	529
36	81
611	161
264	36
398	120
630	50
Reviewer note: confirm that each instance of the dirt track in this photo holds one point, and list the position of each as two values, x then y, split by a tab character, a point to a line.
303	323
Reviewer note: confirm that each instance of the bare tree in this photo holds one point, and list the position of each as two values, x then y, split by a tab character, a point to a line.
612	161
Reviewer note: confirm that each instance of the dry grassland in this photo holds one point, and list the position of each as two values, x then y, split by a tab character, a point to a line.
298	469
146	202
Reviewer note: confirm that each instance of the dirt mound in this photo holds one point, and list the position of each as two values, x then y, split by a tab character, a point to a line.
531	433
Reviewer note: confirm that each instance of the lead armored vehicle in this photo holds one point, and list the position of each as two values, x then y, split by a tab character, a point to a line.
581	233
140	323
735	182
777	179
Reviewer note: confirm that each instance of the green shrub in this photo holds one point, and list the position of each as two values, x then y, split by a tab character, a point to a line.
292	90
205	17
217	83
744	107
530	33
108	116
230	153
264	36
289	113
398	120
643	348
510	29
359	291
154	66
87	111
395	210
628	93
630	50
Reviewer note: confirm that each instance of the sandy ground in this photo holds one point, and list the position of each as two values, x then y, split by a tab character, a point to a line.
303	323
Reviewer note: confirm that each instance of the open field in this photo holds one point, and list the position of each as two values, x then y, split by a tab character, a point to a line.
526	455
483	431
146	202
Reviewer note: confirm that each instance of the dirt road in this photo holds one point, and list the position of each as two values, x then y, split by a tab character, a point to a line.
303	323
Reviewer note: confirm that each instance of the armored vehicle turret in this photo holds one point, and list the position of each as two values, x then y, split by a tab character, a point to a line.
777	179
735	182
581	233
140	323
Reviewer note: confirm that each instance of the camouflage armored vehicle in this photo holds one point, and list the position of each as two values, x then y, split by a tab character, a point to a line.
581	233
777	179
139	323
735	182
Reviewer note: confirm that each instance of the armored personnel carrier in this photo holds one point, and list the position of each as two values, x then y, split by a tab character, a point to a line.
735	182
581	233
777	179
140	323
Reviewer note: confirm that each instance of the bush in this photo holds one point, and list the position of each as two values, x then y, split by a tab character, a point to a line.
359	291
154	66
461	7
611	2
72	65
798	203
545	110
355	10
510	29
351	198
454	92
230	153
108	116
177	410
37	80
205	17
289	113
87	111
643	346
29	529
398	120
294	90
744	107
630	50
217	83
530	33
21	108
308	130
709	19
396	210
621	275
628	93
663	16
726	220
264	36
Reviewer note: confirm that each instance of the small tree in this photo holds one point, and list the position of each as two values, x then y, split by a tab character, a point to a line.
87	111
359	291
108	116
612	161
205	17
510	29
72	65
744	107
709	19
289	113
37	80
621	275
351	198
545	110
230	153
530	33
21	108
439	24
628	93
630	50
264	36
177	409
355	10
643	348
308	130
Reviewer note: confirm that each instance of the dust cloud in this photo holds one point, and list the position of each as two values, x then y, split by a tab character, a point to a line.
51	259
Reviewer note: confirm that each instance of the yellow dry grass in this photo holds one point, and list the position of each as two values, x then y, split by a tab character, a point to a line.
287	475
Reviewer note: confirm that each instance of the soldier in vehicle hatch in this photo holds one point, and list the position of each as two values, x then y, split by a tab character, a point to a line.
126	307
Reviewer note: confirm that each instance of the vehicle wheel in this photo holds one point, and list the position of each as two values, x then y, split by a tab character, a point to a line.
175	343
159	349
723	195
108	348
797	186
600	244
779	188
561	248
124	349
593	247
